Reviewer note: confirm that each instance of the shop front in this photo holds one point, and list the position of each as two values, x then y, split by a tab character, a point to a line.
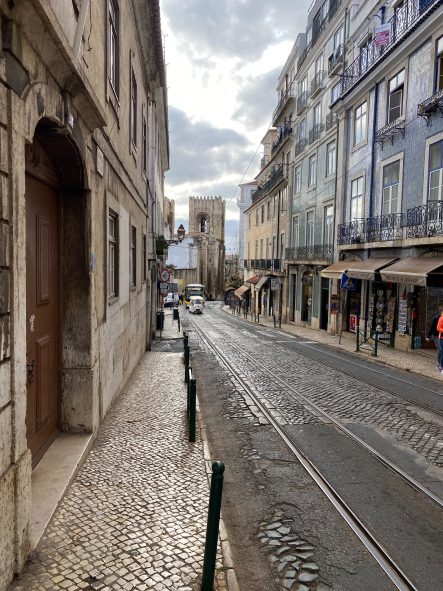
307	285
261	294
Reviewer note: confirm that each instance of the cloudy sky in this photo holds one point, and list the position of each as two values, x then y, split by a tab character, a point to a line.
224	58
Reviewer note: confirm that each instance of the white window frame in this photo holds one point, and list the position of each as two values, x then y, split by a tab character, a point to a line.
331	158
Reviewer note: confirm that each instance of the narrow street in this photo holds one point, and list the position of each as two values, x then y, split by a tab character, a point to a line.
254	382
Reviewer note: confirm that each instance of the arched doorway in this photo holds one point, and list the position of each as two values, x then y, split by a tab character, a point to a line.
43	419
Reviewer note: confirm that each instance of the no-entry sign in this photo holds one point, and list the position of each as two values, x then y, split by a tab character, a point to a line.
164	275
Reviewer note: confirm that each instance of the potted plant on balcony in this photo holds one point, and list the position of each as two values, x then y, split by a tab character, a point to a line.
432	232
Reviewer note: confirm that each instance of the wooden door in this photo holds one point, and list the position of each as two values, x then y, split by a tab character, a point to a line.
42	304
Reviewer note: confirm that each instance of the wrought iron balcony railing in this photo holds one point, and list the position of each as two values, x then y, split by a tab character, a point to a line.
288	95
302	102
335	60
329	16
315	132
264	161
403	20
388	132
382	228
300	146
269	184
316	252
283	134
425	221
331	120
317	83
430	106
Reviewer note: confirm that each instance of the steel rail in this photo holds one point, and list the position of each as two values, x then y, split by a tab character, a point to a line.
390	567
387	463
352	375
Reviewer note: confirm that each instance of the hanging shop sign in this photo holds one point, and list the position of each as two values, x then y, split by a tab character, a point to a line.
306	279
335	303
275	283
382	35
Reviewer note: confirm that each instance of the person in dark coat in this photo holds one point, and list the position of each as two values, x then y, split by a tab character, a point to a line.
433	334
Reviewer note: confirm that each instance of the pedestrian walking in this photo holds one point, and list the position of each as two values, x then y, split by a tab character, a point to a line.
433	334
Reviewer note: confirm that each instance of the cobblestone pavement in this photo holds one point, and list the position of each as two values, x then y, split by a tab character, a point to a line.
135	516
347	398
416	362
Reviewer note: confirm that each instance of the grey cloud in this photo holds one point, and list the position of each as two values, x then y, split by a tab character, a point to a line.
256	100
201	152
233	28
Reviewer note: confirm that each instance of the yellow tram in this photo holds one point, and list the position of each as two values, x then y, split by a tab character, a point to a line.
194	289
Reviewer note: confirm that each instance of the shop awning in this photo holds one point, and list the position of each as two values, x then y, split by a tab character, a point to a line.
255	279
242	290
229	288
336	270
411	270
368	268
263	281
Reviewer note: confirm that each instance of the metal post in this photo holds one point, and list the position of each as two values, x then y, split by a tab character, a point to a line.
192	407
178	318
358	343
186	362
376	343
215	499
188	390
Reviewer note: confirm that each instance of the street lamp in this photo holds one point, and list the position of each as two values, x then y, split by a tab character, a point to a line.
181	232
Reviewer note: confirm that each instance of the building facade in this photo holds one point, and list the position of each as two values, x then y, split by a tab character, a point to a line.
243	203
83	152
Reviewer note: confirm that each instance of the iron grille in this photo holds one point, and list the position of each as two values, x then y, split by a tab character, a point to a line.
335	59
331	120
284	132
425	221
315	132
300	146
302	101
317	82
316	252
388	132
431	105
269	184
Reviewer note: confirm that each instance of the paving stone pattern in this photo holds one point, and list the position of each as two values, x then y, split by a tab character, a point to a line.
345	397
135	516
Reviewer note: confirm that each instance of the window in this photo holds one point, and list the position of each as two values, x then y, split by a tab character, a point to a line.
261	248
145	145
297	184
357	199
304	85
269	210
319	64
144	258
439	79
282	246
360	124
203	225
302	130
310	228
133	260
249	222
113	254
436	172
391	178
317	114
113	45
268	247
295	231
312	169
324	10
256	249
133	110
309	36
257	216
335	92
288	160
330	158
283	200
395	98
274	247
338	38
262	214
327	228
249	251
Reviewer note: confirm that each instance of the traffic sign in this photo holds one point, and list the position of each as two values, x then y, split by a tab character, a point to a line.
164	275
348	282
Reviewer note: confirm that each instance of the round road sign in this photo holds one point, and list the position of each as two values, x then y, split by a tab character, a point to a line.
164	275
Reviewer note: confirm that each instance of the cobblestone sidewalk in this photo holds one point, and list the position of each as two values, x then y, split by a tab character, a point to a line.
415	362
135	516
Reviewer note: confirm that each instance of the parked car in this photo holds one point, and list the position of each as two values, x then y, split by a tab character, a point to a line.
168	300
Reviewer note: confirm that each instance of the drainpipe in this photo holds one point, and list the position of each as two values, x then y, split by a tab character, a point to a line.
335	212
371	185
80	27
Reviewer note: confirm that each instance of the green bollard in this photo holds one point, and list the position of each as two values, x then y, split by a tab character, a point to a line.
188	391
215	499
175	313
186	363
192	409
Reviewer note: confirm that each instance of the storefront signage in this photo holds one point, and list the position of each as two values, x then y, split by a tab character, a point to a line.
306	279
404	279
335	303
348	282
275	283
382	35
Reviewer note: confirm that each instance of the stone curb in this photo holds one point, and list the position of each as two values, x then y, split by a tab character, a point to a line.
223	533
357	355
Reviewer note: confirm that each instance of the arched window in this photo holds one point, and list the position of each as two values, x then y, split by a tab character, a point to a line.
203	225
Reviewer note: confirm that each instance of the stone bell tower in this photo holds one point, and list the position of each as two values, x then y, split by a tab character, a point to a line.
207	217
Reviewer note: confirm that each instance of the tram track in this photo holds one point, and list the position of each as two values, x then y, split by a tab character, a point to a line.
393	571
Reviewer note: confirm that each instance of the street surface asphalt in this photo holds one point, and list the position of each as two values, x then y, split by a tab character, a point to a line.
266	488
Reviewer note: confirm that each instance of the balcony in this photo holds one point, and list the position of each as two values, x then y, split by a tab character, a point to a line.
300	146
383	228
276	177
317	83
315	133
388	132
264	161
430	106
328	18
282	136
335	61
425	221
331	120
316	252
405	18
287	99
302	102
